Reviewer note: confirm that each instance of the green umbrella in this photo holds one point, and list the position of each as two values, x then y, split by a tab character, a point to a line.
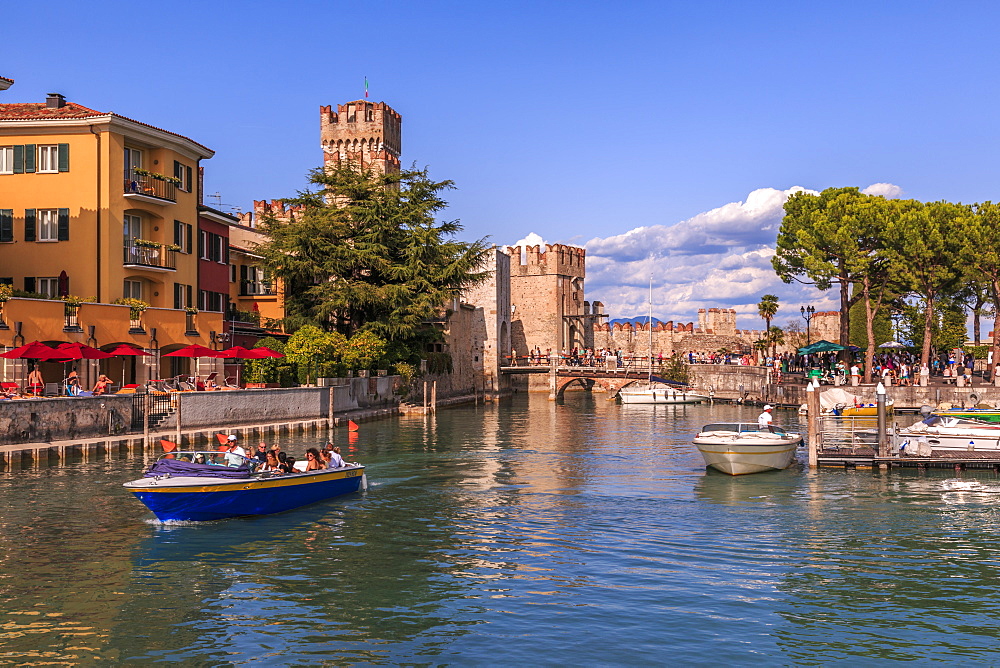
820	347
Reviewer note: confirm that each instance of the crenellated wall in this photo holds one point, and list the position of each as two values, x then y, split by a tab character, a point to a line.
363	133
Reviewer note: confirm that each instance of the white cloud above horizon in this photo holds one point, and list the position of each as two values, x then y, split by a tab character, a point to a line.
719	258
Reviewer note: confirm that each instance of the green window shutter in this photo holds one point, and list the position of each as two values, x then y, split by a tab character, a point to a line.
19	159
63	225
178	233
188	231
29	158
201	245
190	183
29	227
190	296
29	283
63	157
225	246
6	224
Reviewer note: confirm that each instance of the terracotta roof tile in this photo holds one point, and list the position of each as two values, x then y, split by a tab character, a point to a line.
6	79
28	111
31	110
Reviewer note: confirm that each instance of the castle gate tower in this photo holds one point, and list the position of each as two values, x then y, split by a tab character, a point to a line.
362	133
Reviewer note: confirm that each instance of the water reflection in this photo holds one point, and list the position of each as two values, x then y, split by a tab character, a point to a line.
575	531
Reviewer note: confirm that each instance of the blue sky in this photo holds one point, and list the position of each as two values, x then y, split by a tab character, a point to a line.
579	122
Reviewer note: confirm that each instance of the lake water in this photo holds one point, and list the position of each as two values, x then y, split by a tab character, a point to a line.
577	532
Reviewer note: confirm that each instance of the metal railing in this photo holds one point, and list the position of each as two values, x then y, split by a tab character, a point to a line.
160	406
149	256
151	186
847	434
256	288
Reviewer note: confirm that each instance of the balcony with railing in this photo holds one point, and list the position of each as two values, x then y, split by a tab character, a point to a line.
150	255
150	187
257	289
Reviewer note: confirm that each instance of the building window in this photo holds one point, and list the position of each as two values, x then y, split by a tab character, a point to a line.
132	290
133	159
48	225
132	226
48	159
47	286
232	273
6	159
183	174
182	236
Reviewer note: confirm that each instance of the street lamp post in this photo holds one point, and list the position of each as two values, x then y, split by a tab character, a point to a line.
807	315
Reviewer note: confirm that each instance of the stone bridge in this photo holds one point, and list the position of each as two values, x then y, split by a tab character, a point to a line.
611	380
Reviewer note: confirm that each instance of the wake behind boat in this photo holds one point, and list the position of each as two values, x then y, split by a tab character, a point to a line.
175	489
738	449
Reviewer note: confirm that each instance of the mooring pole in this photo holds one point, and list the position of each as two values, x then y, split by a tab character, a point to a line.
147	401
178	397
330	419
812	421
880	409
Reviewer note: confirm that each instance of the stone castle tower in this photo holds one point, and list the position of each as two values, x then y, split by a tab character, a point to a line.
365	134
546	294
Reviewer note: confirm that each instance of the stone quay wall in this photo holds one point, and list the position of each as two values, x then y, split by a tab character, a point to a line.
48	420
45	420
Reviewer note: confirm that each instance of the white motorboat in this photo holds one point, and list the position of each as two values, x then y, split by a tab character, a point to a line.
652	392
939	432
738	449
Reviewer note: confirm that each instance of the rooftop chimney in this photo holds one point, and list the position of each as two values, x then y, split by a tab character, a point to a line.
55	101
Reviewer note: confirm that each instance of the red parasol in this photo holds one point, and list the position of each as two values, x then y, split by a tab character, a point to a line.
241	353
81	351
267	352
126	349
36	350
193	350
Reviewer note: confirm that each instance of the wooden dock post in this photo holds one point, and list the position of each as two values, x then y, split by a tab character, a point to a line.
147	404
434	396
812	420
178	439
329	418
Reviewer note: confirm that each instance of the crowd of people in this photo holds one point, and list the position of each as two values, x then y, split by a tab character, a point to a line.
272	460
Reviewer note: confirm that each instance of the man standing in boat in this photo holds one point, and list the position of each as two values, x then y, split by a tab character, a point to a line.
764	420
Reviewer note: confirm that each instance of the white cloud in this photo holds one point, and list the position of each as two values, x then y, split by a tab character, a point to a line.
718	258
530	240
887	190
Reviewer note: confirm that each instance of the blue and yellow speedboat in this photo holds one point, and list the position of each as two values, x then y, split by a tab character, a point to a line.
177	489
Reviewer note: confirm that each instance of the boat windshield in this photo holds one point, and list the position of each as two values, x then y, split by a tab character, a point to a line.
738	427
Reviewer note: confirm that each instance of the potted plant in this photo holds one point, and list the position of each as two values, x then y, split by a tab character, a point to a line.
146	243
136	306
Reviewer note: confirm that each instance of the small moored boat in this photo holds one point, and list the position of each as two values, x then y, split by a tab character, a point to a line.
176	489
737	448
653	392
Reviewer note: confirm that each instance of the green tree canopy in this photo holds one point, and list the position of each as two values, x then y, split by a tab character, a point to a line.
366	253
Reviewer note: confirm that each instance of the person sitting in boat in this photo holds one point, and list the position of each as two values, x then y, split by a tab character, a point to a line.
271	463
314	462
764	420
285	463
336	461
235	455
199	458
261	454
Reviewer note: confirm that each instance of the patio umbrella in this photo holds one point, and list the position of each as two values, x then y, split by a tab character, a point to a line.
820	347
239	352
194	351
81	351
267	352
892	344
36	350
125	350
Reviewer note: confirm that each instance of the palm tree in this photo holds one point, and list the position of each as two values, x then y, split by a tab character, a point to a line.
767	308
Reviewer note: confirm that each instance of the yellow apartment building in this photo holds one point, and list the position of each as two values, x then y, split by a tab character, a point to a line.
103	207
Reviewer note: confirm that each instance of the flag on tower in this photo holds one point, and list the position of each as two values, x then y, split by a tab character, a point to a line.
366	88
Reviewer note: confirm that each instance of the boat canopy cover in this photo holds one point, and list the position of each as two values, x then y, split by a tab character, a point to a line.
835	396
657	379
178	468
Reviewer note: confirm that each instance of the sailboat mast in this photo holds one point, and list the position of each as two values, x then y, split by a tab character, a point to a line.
649	323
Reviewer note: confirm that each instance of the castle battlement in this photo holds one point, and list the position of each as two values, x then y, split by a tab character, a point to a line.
367	134
555	259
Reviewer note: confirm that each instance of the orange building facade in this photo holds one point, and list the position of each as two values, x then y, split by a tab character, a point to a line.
99	207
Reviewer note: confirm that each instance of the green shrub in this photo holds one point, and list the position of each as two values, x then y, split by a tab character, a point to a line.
286	375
